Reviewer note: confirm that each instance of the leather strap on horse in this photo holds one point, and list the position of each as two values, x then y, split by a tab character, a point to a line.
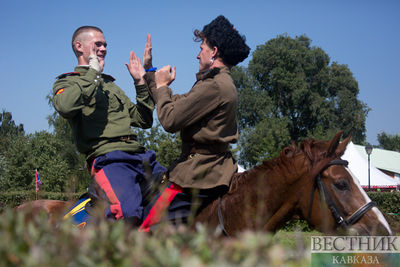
337	215
325	197
360	212
318	181
221	219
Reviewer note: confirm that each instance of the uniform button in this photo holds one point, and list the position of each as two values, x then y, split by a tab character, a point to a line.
98	76
95	80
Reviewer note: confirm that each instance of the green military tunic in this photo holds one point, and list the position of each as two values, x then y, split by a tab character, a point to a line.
100	113
206	119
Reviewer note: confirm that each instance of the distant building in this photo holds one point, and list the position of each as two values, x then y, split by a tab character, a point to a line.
385	160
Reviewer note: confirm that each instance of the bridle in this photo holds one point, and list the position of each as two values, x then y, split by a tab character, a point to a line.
326	197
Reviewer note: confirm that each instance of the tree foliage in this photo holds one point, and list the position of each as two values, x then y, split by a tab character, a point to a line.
389	142
79	175
60	167
290	92
165	145
36	151
8	130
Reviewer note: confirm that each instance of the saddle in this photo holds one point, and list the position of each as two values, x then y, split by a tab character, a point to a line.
81	211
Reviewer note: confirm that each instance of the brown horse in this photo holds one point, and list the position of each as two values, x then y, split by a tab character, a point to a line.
269	195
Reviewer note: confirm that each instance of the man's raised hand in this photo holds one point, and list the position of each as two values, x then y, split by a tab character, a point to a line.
135	68
94	62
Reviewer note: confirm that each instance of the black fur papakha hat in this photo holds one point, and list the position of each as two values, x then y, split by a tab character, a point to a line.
221	33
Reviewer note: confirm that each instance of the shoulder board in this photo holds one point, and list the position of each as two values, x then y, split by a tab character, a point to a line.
67	74
108	77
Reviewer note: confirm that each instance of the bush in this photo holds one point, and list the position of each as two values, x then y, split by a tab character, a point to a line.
111	244
388	202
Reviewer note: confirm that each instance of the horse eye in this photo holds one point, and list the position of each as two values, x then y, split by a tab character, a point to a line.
342	185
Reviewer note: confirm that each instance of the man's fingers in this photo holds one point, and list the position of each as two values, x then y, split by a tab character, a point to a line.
132	56
173	74
133	59
148	43
93	49
166	69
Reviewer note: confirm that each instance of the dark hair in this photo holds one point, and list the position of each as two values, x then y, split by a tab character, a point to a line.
221	33
81	30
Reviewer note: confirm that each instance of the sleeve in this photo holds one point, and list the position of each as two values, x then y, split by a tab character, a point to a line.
176	112
71	95
142	113
151	81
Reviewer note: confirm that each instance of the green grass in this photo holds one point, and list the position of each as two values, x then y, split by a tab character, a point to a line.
37	243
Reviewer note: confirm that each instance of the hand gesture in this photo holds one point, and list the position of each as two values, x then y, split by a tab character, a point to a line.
147	56
135	68
165	76
94	62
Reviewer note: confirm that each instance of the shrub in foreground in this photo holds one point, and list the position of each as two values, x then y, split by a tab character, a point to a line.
36	243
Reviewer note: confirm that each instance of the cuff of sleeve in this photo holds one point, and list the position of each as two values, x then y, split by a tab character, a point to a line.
141	90
92	76
150	80
161	92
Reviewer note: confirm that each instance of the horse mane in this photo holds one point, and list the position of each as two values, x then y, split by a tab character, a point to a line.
284	161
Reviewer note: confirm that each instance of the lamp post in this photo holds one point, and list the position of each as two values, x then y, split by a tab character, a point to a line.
368	149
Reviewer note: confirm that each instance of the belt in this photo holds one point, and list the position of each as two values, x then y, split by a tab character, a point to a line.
113	139
206	149
123	138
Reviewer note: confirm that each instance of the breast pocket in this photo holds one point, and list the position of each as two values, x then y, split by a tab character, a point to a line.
116	103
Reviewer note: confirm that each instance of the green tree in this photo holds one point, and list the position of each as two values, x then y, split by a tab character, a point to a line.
165	145
389	142
264	141
36	151
80	176
290	84
8	130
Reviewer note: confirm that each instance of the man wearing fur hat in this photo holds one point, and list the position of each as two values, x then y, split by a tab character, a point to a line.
206	119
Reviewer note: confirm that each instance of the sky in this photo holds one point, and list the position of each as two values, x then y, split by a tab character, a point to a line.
36	45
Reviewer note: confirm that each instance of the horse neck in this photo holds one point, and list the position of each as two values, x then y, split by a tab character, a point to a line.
267	191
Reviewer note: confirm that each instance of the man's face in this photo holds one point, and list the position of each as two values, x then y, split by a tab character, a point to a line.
92	42
204	57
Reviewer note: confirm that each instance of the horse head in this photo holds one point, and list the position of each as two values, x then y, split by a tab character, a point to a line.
333	198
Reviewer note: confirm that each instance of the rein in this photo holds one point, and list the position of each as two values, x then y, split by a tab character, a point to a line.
221	219
326	197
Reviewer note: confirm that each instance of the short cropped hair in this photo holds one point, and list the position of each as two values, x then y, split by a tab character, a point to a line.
81	30
231	45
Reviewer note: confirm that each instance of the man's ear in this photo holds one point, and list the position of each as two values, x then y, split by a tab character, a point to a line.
78	47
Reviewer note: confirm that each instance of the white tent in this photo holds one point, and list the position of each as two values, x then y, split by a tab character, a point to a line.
359	167
240	169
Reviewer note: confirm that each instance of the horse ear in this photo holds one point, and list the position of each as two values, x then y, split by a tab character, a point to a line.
334	143
342	146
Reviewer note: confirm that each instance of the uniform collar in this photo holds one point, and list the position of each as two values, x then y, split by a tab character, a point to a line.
211	73
83	69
